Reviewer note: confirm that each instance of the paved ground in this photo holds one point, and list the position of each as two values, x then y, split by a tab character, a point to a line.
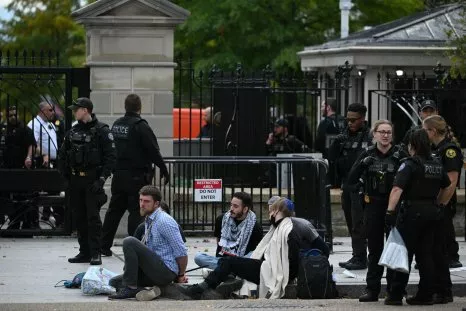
29	269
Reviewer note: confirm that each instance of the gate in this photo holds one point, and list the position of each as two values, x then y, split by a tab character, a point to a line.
32	84
245	106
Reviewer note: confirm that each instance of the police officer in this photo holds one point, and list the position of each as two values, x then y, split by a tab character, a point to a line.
137	149
331	125
445	148
421	186
280	141
344	151
376	167
86	160
426	109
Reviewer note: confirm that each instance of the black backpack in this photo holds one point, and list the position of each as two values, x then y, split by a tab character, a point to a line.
315	276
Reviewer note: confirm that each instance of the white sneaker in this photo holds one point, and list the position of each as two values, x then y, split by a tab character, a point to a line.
148	294
205	272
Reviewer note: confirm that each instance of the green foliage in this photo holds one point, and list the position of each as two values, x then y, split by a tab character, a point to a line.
457	54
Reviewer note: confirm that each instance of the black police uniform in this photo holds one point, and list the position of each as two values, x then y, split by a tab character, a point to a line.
16	140
446	247
86	160
421	181
137	149
377	171
344	152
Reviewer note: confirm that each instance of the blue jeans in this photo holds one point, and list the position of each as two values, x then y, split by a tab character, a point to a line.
208	261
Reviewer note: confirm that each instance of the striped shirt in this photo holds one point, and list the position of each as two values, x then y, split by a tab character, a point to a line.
164	238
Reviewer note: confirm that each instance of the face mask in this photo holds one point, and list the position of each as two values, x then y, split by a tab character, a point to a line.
272	220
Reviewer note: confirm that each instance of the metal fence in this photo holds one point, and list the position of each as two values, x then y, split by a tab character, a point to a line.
35	90
246	104
301	179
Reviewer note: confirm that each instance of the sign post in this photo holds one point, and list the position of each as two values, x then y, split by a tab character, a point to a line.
207	190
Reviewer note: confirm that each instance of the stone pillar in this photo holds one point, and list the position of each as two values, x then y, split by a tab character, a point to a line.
129	49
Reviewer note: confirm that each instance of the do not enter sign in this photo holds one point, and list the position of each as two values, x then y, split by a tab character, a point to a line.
207	190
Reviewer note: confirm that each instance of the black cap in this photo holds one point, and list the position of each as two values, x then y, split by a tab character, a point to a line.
83	102
428	104
281	122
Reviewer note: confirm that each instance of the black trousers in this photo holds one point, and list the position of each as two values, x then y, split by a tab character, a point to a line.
125	196
86	209
245	268
441	257
416	225
452	246
374	223
354	216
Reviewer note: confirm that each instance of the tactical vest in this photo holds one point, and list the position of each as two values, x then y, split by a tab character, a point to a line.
350	149
129	154
381	174
440	154
426	180
337	126
84	153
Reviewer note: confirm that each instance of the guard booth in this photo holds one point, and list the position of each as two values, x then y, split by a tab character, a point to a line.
29	79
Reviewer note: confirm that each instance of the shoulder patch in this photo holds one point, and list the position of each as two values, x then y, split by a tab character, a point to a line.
450	153
402	166
110	136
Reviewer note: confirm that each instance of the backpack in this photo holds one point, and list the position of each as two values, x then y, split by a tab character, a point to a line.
315	276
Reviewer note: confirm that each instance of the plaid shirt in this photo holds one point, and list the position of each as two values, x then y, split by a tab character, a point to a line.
164	238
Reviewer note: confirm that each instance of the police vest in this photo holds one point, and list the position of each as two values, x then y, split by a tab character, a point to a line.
84	153
426	179
129	154
441	152
350	149
381	174
336	127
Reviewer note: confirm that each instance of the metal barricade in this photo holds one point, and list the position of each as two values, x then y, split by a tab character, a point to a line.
299	178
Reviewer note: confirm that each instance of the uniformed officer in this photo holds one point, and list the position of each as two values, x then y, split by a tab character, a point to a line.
331	125
137	149
86	160
376	167
280	141
426	109
344	151
446	149
421	185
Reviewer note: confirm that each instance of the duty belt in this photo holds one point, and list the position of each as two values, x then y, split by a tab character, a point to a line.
82	173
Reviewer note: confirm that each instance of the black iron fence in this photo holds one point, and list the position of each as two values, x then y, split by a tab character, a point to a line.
244	105
301	179
35	89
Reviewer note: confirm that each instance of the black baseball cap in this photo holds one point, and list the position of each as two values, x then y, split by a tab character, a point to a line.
82	102
428	104
281	122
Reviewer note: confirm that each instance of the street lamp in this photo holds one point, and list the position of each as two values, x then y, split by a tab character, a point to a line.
399	72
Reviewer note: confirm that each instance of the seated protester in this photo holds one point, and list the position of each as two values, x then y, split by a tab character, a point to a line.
237	232
139	232
159	259
275	261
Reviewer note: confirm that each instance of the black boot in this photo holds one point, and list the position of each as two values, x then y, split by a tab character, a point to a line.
80	258
96	260
419	300
440	299
393	300
369	296
345	263
357	264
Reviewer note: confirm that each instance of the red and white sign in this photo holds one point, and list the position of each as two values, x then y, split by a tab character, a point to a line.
207	190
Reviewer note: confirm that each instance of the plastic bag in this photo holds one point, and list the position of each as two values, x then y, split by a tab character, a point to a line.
395	254
95	281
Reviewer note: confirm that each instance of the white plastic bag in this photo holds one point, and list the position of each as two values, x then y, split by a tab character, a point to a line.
95	281
395	254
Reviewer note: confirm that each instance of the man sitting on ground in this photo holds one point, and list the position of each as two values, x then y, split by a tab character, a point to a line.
273	263
159	259
237	232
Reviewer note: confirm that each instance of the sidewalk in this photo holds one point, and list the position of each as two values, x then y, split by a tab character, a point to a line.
29	269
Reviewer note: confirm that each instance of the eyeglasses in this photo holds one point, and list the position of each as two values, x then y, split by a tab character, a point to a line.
384	133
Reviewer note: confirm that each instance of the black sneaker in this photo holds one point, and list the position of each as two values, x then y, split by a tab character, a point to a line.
80	258
125	293
106	252
193	291
369	296
96	260
455	264
344	263
419	301
357	264
229	286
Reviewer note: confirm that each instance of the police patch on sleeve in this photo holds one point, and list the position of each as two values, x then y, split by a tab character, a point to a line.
402	166
451	153
110	136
